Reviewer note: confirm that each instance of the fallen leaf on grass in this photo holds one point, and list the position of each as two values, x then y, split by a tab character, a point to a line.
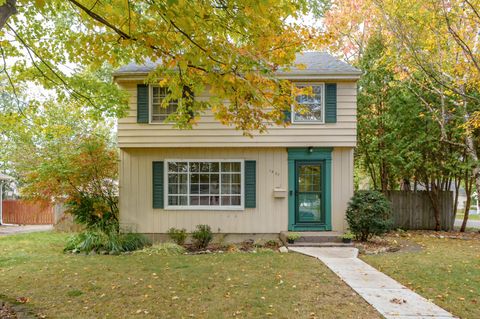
398	301
22	299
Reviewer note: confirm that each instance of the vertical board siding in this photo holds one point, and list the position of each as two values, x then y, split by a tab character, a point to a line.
270	214
339	131
27	212
413	210
342	185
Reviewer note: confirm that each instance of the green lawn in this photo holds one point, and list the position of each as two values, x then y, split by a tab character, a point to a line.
470	217
230	285
446	271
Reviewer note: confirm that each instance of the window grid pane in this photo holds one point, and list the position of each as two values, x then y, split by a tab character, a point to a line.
204	183
160	113
312	105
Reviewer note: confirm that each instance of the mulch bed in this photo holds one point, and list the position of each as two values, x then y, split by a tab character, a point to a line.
400	241
378	245
245	246
7	312
469	235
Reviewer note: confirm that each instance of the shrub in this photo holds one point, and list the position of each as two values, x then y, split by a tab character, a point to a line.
178	235
271	244
202	236
109	242
93	211
83	175
368	214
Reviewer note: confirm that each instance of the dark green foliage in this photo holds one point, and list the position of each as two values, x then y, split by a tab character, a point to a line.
368	214
202	236
178	235
108	242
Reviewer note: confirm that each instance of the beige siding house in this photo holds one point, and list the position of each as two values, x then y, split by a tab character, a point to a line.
296	178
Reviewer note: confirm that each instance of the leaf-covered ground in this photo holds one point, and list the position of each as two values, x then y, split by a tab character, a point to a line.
230	285
446	270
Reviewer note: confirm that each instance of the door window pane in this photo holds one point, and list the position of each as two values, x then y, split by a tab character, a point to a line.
309	193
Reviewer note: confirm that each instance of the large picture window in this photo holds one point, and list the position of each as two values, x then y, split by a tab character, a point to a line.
160	113
204	184
313	106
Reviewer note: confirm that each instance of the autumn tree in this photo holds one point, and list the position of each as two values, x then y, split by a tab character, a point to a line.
60	153
429	62
439	39
233	48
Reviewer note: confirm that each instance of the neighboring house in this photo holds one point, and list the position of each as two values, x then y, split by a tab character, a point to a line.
296	178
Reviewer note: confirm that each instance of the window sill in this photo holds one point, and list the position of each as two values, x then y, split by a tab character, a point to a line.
308	122
204	208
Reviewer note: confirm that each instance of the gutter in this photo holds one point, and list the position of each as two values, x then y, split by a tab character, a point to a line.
132	76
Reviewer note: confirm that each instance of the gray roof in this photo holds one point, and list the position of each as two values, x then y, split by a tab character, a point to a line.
316	63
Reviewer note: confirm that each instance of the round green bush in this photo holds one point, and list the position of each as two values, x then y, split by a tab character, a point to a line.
202	236
368	214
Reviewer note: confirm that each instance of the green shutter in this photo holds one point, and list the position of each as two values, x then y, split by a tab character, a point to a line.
157	184
142	103
331	103
250	184
288	116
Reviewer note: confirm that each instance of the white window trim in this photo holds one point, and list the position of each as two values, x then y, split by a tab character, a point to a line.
203	207
150	107
292	114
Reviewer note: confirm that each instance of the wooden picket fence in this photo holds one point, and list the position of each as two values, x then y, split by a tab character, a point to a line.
27	212
413	210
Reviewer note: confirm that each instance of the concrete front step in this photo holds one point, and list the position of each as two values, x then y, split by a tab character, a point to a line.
305	244
313	237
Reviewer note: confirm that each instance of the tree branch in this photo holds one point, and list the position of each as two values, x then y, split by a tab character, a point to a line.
30	50
124	35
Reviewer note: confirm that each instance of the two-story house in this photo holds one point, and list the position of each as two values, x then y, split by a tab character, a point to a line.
296	178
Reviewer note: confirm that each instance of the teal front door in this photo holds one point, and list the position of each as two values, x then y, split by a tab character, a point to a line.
308	193
309	189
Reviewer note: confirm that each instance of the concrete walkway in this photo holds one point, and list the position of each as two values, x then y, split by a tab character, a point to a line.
389	297
17	229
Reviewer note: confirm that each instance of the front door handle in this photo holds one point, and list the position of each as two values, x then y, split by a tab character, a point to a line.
291	193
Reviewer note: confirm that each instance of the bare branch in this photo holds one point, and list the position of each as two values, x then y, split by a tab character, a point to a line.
465	47
30	50
14	89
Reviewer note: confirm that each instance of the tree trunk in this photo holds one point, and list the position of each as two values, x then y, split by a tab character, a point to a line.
456	183
6	10
466	213
405	185
432	192
468	192
472	152
384	176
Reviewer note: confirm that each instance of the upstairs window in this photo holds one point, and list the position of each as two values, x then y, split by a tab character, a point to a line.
160	113
313	106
